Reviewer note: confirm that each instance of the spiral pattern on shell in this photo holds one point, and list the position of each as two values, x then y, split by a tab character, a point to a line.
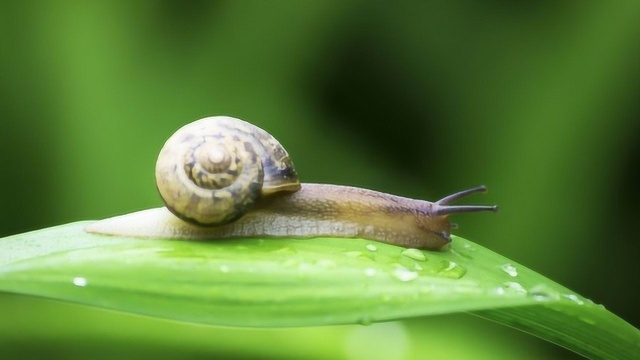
212	171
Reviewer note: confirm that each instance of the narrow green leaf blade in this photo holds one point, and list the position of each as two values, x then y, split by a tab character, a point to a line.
295	282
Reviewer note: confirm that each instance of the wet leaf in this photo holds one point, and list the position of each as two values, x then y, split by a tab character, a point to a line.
310	282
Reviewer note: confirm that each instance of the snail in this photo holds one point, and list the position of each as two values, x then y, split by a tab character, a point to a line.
222	177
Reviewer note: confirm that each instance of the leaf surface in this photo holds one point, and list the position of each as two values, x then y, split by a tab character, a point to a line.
304	282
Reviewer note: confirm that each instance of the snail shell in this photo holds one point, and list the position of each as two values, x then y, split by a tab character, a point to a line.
212	171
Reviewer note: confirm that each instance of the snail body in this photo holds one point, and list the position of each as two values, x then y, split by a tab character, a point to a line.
315	210
220	151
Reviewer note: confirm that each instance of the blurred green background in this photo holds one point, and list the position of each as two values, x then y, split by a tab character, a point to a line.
536	100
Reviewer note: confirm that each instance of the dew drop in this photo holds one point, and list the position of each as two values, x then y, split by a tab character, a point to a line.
414	254
403	274
370	271
80	281
516	287
365	320
353	254
452	269
542	292
417	266
573	298
499	291
371	247
224	268
589	302
510	270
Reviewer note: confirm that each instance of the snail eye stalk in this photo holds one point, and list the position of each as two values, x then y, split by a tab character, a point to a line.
442	207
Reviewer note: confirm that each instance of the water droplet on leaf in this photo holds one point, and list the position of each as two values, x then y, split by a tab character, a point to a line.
573	298
542	292
516	287
414	254
499	291
510	270
370	271
80	281
452	269
403	274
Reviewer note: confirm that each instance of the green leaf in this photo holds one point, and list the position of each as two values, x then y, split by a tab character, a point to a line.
310	282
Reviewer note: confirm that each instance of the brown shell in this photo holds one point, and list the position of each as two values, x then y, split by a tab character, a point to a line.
212	171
